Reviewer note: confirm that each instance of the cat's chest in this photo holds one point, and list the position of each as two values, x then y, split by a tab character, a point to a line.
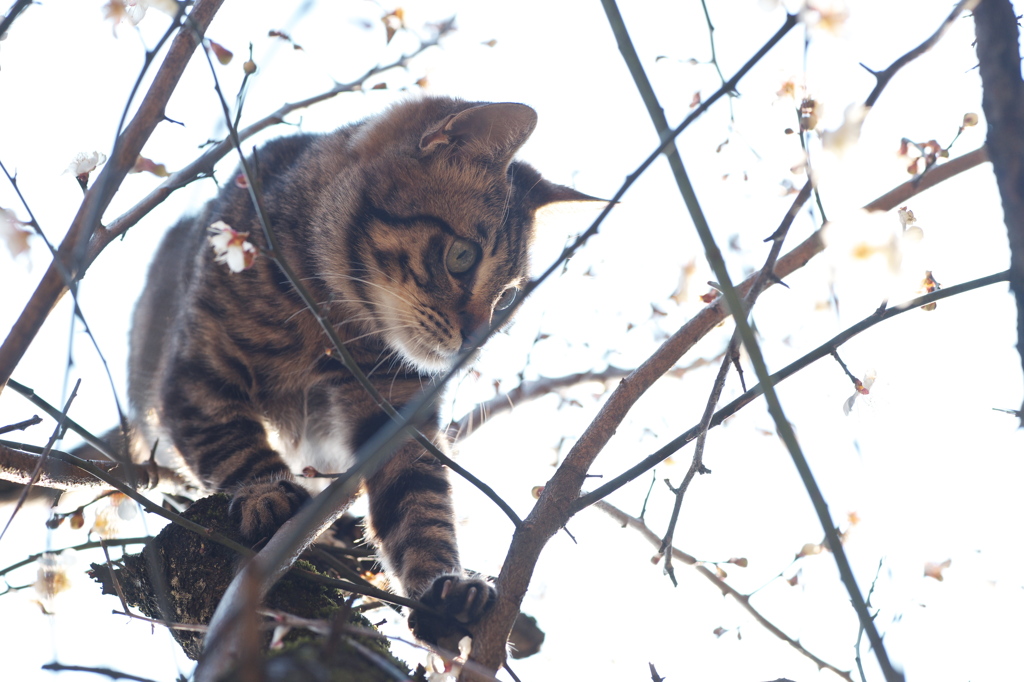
312	428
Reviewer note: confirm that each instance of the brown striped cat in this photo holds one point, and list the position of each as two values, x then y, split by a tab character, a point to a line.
410	228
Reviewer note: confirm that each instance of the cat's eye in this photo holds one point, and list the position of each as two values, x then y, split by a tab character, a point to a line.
462	256
506	299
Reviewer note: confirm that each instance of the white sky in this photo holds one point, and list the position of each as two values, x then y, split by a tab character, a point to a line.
924	461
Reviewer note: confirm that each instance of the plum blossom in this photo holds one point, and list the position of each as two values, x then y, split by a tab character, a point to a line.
231	248
862	388
52	576
85	163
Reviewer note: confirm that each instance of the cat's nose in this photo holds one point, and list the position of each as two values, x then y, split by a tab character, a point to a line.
473	327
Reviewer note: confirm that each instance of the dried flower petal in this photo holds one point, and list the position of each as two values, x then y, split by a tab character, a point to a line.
144	165
12	233
223	54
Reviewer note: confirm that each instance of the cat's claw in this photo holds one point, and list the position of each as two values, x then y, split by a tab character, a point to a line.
460	601
259	509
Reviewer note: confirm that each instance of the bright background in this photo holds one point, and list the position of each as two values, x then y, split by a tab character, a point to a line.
928	467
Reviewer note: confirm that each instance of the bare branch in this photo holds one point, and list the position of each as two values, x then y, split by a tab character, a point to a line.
883	77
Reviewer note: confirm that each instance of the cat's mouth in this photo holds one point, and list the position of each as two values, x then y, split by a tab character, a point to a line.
432	359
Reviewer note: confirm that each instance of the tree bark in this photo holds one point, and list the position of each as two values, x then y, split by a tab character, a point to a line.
1003	103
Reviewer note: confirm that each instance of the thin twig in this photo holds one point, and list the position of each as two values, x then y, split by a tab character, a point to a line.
743	600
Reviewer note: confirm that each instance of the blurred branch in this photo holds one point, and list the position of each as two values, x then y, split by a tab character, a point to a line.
18	459
1002	100
126	151
112	674
743	599
824	350
16	9
115	542
531	390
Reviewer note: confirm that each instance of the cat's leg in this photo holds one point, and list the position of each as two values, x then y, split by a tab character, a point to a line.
221	437
413	524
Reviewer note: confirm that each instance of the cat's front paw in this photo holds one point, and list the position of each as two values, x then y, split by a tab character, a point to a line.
259	509
460	601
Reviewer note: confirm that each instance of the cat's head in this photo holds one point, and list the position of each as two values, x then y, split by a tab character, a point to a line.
444	222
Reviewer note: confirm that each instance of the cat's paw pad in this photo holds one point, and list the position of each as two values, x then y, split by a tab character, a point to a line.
259	509
459	600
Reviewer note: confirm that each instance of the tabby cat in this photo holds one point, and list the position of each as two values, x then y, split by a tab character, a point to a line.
410	228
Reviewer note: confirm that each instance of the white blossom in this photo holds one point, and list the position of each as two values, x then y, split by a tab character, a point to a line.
231	247
85	163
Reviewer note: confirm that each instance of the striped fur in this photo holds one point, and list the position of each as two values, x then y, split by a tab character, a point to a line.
380	220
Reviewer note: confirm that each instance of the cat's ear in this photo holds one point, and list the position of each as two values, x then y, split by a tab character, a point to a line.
488	132
544	193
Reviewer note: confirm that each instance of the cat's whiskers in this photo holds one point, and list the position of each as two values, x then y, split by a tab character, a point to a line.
353	278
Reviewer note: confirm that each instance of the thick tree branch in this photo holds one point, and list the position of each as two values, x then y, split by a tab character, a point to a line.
1003	103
